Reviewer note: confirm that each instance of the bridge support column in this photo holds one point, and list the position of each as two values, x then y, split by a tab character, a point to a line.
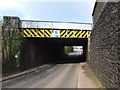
85	50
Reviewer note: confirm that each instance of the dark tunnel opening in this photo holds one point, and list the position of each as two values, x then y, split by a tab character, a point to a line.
40	51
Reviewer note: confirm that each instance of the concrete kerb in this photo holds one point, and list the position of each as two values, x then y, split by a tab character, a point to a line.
23	73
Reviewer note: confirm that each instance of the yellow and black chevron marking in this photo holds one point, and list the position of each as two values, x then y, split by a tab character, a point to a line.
63	33
82	33
70	33
75	33
40	33
48	33
32	33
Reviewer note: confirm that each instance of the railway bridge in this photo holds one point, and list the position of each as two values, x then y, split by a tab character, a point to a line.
45	41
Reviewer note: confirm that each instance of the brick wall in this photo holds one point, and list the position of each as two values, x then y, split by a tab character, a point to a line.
104	54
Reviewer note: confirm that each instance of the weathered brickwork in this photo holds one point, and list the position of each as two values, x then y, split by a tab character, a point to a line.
104	48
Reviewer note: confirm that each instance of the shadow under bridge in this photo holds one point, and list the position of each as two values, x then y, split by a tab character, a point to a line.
40	51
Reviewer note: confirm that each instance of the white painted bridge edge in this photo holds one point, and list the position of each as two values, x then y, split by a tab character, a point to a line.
55	25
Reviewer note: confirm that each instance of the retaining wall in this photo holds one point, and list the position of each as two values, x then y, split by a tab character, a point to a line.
104	47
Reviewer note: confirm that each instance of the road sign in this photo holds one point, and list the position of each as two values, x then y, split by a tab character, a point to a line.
56	33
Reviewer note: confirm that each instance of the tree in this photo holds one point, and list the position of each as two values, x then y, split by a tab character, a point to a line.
68	49
11	45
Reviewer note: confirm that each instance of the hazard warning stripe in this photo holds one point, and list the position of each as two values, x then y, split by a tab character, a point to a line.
48	33
77	33
32	33
85	35
26	33
63	33
82	33
70	33
40	33
35	33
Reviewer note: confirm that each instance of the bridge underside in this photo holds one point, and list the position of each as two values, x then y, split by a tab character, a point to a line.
51	50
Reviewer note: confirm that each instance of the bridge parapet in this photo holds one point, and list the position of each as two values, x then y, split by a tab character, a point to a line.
32	28
55	25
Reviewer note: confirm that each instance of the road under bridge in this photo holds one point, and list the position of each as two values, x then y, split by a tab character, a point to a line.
44	44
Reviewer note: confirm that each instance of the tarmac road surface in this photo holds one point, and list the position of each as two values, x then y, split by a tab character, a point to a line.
56	76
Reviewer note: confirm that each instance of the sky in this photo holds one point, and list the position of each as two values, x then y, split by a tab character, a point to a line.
49	10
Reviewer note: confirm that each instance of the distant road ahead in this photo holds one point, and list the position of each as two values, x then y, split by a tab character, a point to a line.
56	76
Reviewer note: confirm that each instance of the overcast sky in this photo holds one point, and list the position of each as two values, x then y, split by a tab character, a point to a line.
49	10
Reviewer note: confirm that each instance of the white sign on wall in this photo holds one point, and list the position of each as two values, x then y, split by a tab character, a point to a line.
56	33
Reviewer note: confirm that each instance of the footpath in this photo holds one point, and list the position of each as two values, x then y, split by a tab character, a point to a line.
86	78
24	72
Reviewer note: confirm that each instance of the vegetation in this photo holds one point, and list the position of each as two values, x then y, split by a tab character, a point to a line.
0	31
68	49
11	47
0	47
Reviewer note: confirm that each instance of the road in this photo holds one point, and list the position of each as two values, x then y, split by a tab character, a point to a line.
75	53
55	76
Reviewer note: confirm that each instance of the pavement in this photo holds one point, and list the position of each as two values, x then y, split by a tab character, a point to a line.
23	73
86	78
56	76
